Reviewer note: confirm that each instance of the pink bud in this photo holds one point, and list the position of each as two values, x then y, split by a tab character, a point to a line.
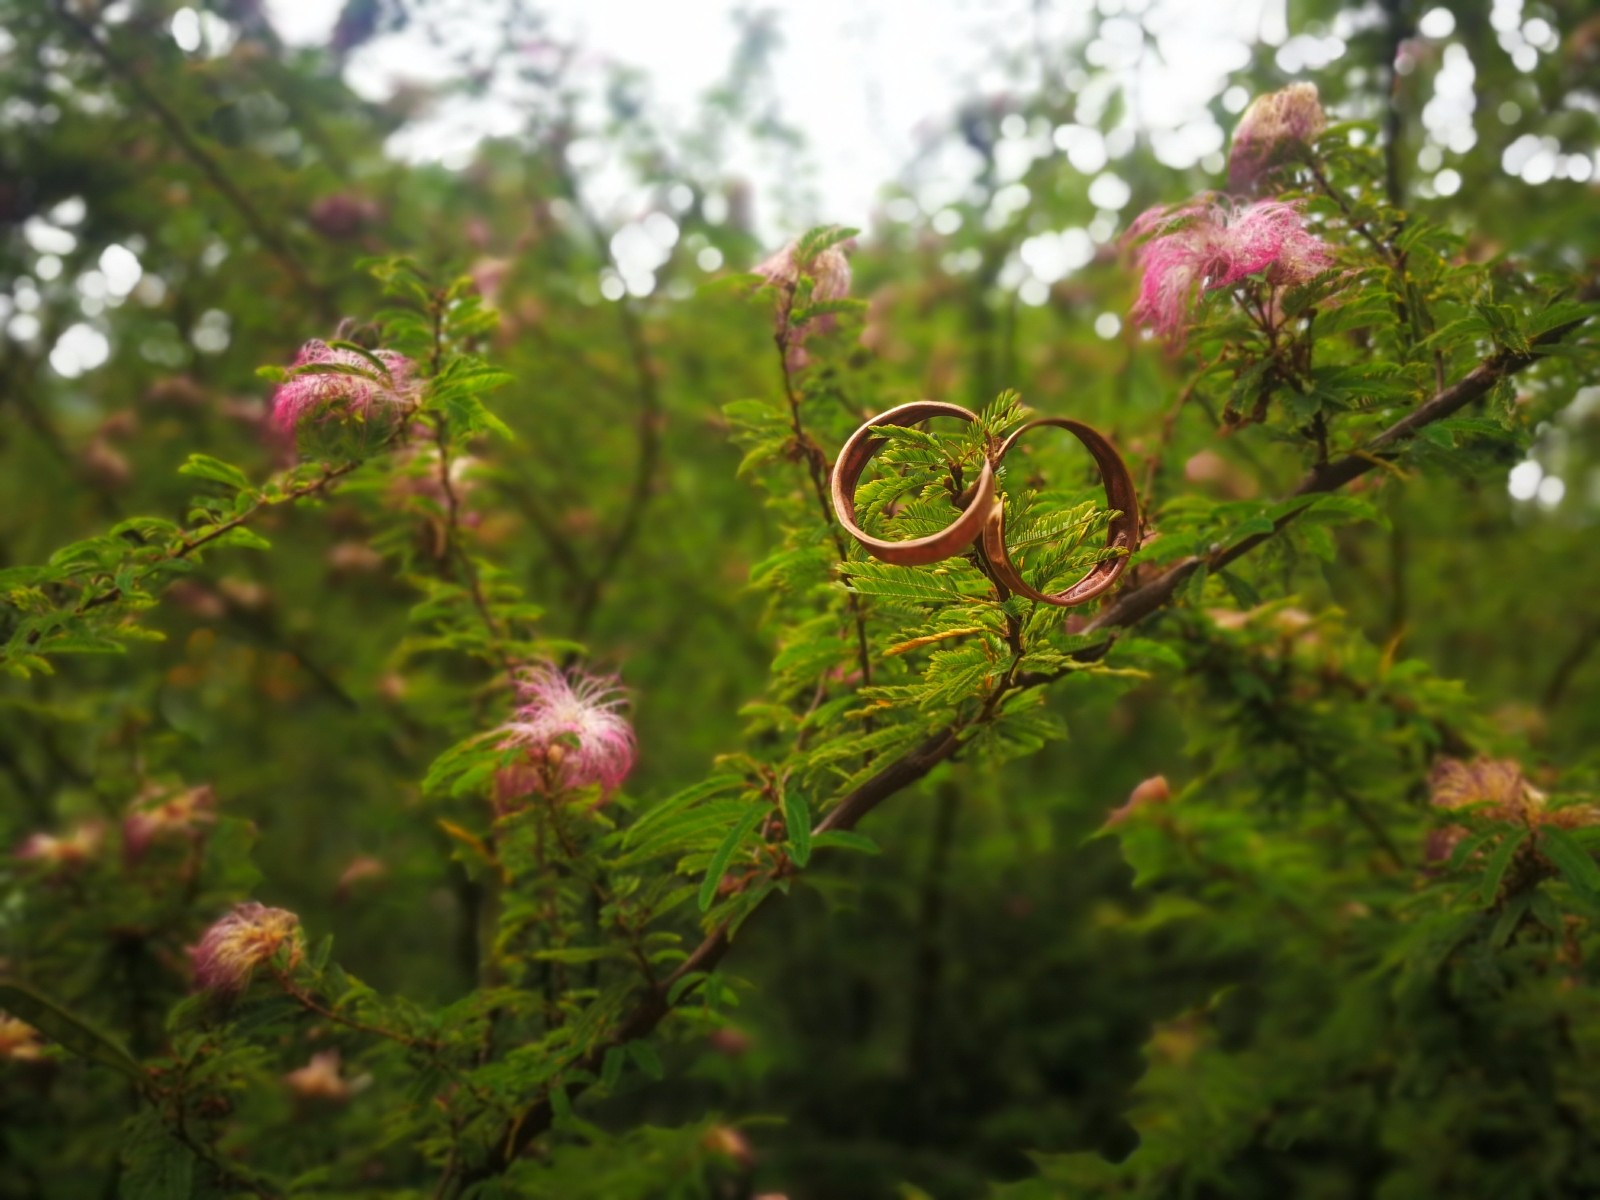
19	1041
1152	791
1276	127
161	814
343	215
65	851
321	1080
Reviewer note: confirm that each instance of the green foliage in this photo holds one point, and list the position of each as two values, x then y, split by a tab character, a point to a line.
1338	942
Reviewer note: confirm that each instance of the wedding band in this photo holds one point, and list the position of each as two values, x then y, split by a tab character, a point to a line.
858	451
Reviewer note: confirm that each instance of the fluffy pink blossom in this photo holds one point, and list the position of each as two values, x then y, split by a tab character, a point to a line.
1495	790
1275	127
160	814
1211	245
829	271
369	394
58	851
240	942
830	280
571	731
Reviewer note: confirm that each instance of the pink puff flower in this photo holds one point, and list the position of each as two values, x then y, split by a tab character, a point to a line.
830	280
57	852
359	392
322	1080
1209	246
571	731
1275	128
829	271
161	814
240	942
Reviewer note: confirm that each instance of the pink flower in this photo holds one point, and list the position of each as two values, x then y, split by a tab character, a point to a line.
160	814
1148	793
572	734
829	271
1496	790
57	852
321	1079
240	942
1274	128
343	215
1214	246
1497	784
358	391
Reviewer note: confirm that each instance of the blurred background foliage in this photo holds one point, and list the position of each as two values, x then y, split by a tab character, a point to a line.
182	199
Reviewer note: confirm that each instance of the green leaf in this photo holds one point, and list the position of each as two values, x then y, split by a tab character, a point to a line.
644	1054
724	852
1499	862
157	1166
561	1102
843	839
826	308
676	803
203	466
1576	865
611	1067
797	819
814	241
67	1030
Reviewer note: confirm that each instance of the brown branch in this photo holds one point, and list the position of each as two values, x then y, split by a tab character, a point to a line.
1134	606
1131	608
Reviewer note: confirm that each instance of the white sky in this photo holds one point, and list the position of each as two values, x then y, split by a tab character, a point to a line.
859	77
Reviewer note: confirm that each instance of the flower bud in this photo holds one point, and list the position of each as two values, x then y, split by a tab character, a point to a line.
343	215
321	1080
1152	791
19	1041
56	852
161	814
729	1042
728	1142
359	870
1275	128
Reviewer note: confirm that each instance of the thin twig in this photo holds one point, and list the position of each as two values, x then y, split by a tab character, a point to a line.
817	468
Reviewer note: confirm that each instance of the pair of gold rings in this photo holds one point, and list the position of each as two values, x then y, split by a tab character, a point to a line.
983	519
